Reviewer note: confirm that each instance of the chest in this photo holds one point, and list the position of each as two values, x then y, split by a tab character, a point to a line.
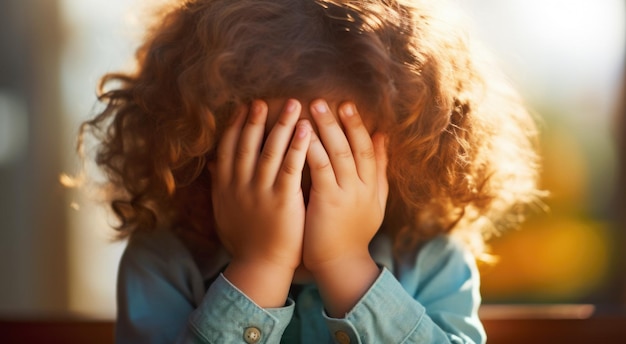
307	324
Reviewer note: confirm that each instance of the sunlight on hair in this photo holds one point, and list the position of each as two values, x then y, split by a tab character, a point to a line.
104	34
69	181
567	56
567	52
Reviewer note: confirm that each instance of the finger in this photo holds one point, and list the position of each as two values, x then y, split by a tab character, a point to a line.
335	142
277	143
223	170
322	174
290	175
380	149
250	142
360	142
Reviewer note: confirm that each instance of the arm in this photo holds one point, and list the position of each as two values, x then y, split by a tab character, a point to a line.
258	200
345	210
433	300
346	206
157	288
161	298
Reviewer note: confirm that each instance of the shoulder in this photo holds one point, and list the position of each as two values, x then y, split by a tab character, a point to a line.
158	286
157	254
447	253
444	278
158	246
158	263
443	248
163	251
445	260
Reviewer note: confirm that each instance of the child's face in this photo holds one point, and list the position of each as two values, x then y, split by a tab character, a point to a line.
275	107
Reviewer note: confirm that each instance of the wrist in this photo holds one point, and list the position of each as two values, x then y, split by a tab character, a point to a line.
343	282
266	284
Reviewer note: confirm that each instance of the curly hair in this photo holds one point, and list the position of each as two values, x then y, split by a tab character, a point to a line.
462	150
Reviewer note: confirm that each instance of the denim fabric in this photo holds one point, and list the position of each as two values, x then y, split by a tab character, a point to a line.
431	299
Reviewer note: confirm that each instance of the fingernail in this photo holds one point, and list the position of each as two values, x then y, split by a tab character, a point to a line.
291	105
349	109
258	106
303	129
320	106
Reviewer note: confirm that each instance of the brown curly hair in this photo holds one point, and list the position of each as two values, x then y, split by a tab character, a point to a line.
461	143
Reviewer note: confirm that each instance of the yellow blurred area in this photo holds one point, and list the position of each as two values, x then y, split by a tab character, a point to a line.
565	170
562	255
550	259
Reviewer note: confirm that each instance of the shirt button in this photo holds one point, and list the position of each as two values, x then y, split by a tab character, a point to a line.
252	335
342	337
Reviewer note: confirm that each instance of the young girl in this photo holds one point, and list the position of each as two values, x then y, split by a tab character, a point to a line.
308	171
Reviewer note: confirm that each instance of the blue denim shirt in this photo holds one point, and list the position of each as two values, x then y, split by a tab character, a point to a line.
162	298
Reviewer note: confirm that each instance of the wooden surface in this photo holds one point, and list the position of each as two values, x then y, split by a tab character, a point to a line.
597	329
56	331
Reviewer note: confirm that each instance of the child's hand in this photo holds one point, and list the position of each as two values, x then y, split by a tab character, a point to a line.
346	205
258	200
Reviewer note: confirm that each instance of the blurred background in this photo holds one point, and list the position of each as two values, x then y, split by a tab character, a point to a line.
566	57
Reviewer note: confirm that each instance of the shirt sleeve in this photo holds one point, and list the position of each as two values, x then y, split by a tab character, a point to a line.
434	300
161	298
226	315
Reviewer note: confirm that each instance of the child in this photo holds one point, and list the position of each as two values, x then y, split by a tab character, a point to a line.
308	171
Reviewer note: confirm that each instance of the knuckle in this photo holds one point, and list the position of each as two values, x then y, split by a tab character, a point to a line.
254	122
343	154
221	158
320	166
297	147
283	122
368	153
253	195
256	119
267	155
290	169
241	153
354	121
327	120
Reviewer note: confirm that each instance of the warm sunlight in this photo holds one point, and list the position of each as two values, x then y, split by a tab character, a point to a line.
566	56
